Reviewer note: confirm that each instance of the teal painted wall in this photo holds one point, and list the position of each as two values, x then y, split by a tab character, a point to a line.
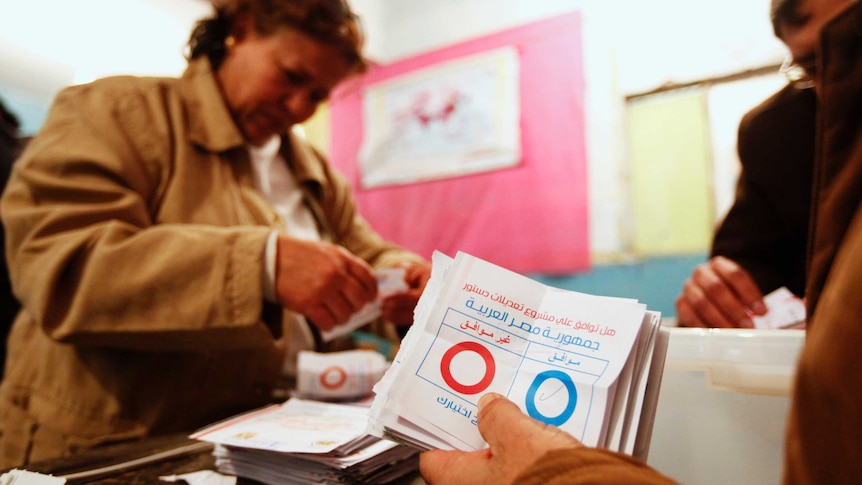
653	281
30	112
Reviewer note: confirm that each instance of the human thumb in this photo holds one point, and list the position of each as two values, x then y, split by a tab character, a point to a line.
502	425
498	416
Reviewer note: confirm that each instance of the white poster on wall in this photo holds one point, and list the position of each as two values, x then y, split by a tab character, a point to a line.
451	119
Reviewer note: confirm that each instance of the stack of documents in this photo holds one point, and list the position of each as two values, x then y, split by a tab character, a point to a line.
590	365
303	441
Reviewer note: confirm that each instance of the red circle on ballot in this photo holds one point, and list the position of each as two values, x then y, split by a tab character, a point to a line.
341	377
490	367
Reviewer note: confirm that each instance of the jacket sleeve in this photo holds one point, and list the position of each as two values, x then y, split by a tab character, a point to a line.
352	230
758	250
757	233
766	229
88	260
586	465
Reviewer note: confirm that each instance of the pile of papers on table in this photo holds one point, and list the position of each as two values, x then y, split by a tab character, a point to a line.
590	365
303	441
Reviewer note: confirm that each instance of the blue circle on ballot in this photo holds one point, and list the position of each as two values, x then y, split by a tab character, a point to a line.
570	407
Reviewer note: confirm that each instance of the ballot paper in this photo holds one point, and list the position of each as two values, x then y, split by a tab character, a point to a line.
25	477
784	310
304	441
390	281
590	365
346	375
202	477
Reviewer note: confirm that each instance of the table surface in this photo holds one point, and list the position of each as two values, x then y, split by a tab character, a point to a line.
124	452
198	456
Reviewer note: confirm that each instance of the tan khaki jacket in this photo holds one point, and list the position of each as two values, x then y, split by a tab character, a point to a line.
135	243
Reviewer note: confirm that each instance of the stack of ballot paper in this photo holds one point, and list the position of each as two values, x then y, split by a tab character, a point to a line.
302	441
590	365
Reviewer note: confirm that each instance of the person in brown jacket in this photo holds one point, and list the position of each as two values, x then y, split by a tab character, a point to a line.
175	244
825	422
762	242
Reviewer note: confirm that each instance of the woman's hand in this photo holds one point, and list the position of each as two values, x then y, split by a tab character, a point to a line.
398	309
322	281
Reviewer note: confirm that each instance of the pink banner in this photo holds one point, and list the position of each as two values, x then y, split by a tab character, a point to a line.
529	218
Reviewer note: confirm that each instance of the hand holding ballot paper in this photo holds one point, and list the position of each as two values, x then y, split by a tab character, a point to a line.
784	310
524	451
515	442
588	365
390	282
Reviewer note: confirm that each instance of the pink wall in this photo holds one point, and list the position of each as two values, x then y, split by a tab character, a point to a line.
529	218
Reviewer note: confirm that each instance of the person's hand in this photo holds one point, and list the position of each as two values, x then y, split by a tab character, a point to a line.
322	281
719	294
398	309
515	439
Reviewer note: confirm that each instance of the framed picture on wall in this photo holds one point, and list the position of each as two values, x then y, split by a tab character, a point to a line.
454	118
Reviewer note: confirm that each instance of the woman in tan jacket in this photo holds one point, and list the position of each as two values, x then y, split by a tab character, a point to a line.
173	243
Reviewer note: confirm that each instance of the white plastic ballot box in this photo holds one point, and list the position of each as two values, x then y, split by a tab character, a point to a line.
723	405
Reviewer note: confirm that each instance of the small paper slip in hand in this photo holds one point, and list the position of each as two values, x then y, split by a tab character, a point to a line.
784	310
590	365
390	281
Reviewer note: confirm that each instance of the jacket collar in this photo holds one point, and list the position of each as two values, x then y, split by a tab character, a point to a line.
210	123
212	127
303	159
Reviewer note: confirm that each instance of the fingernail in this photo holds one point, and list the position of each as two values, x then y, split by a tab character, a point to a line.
758	308
487	398
745	323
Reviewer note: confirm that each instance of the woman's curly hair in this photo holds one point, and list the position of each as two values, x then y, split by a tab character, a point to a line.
328	21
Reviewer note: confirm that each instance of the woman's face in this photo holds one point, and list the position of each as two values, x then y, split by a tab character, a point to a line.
273	82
